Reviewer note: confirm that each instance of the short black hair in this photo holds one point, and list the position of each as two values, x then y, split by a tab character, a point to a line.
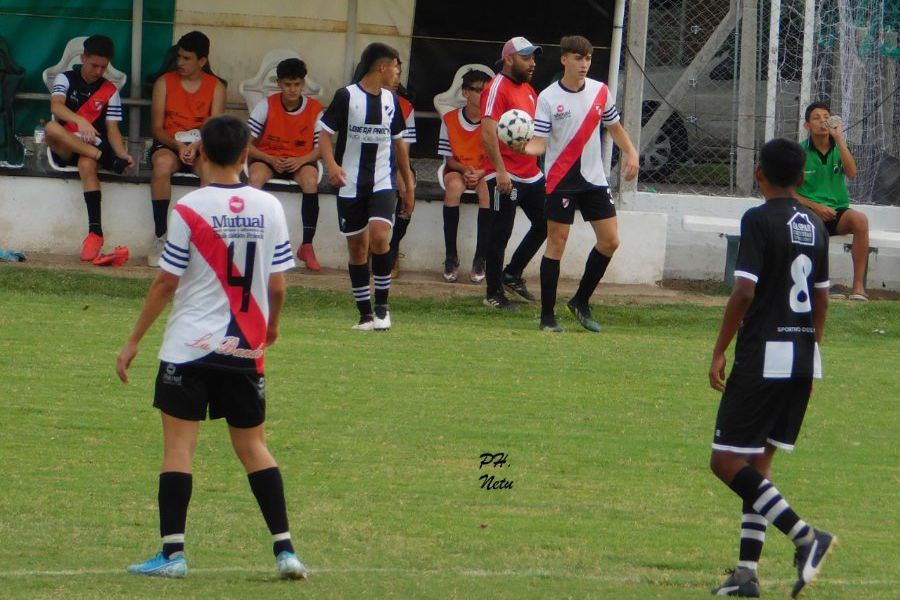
809	109
291	68
196	42
473	76
224	138
99	45
782	162
374	53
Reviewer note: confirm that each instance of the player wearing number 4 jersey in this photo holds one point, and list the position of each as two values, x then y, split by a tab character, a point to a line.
223	262
778	311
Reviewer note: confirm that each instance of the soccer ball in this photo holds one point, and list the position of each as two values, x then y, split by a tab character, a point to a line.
515	126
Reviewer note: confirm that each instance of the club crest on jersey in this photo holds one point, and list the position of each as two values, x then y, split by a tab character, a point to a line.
560	108
803	233
236	204
98	105
389	110
566	202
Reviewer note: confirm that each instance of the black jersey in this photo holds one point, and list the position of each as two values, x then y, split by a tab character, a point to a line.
77	92
366	124
784	250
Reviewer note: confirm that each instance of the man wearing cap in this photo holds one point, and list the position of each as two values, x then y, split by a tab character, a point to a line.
512	178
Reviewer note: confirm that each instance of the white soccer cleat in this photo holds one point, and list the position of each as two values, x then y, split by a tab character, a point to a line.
383	324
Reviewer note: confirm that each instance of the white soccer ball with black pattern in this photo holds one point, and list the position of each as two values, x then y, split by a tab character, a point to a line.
515	126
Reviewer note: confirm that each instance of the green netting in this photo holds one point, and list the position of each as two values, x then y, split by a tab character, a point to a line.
37	32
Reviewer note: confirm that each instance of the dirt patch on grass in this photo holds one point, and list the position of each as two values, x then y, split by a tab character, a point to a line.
417	284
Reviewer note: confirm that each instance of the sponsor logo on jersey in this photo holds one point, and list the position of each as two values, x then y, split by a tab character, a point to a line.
226	222
560	108
803	233
236	204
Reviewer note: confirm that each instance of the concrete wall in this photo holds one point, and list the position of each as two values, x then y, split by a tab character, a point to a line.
693	255
48	215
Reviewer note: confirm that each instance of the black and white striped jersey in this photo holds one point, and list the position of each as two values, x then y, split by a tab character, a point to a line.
366	124
784	250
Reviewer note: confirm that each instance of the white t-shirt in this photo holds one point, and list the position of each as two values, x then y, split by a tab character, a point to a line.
561	116
223	243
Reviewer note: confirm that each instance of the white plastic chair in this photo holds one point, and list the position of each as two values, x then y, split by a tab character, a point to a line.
452	97
72	56
265	83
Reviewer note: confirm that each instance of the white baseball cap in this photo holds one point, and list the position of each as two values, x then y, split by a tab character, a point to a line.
521	46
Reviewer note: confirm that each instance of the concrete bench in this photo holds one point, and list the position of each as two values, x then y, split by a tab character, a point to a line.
730	229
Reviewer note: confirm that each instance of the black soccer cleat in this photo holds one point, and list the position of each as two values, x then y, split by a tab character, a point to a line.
809	558
741	582
516	285
550	324
109	160
499	302
582	314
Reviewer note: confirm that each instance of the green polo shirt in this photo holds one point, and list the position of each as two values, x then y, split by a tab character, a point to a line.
823	177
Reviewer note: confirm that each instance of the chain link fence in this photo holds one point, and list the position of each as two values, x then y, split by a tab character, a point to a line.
851	63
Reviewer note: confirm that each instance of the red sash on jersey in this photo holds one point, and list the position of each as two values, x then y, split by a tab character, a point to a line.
92	109
576	145
212	248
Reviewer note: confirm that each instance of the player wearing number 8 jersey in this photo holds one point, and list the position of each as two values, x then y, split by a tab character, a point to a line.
778	309
223	262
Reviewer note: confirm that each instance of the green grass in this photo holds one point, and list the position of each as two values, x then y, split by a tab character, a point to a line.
379	437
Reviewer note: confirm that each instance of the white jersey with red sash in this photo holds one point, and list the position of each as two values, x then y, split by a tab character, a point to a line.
571	120
223	243
97	102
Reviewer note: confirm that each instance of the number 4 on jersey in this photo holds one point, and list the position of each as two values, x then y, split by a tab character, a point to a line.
245	281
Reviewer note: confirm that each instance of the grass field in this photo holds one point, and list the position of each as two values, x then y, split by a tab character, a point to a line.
379	438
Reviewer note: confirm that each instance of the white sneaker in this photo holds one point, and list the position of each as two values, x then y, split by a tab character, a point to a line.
290	567
383	324
156	251
366	323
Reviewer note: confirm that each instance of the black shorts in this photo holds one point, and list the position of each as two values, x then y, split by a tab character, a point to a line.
754	412
281	174
354	214
529	196
104	147
831	226
185	391
595	205
156	147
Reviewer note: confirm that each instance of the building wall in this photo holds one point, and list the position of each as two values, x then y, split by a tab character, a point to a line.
241	32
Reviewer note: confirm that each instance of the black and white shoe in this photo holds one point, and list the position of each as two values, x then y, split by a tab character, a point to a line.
583	315
366	323
741	582
550	324
516	285
382	320
477	274
451	269
809	558
498	301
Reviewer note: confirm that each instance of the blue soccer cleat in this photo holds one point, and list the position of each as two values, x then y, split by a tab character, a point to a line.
290	567
160	566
